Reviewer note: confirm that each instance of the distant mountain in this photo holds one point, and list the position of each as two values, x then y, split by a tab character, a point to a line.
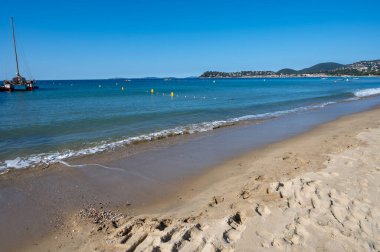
361	68
321	68
287	71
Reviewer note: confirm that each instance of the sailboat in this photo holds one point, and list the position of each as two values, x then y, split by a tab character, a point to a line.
18	83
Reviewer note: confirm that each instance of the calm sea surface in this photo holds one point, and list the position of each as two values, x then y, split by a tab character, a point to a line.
71	118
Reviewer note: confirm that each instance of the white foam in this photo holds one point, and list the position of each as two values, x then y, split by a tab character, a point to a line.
367	92
85	165
54	157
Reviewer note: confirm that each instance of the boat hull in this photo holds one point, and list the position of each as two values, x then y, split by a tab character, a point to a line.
17	88
5	89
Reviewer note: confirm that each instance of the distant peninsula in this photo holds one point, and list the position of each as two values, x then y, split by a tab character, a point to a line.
361	68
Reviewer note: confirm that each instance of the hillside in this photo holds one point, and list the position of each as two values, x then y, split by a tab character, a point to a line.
287	71
321	68
360	68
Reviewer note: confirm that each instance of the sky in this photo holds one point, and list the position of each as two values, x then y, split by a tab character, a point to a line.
143	38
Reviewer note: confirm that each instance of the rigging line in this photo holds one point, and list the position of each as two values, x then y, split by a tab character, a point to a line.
25	61
23	57
15	47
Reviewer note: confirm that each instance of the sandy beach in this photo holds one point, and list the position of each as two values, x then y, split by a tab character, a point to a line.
210	126
317	191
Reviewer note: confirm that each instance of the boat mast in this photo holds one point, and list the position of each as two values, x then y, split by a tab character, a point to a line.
15	48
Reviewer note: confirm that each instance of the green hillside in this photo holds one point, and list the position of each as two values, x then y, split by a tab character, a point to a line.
321	68
287	71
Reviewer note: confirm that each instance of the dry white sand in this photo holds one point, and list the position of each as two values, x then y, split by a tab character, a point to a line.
315	192
335	209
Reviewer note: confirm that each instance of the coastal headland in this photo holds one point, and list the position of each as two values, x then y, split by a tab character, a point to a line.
328	69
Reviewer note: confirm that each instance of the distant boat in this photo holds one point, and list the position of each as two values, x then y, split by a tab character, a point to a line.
127	80
18	83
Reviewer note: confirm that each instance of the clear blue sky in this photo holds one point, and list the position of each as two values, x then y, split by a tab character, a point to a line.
103	39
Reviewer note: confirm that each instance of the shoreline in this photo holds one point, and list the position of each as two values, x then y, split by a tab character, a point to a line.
171	135
196	184
223	205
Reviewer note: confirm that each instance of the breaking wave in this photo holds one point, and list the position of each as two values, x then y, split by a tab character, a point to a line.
367	92
54	157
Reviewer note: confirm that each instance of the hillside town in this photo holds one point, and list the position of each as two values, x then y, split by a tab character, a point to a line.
361	68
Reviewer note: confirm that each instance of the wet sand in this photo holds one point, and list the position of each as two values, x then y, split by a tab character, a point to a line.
178	183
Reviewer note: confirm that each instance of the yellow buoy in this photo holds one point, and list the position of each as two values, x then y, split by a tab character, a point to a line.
152	91
171	94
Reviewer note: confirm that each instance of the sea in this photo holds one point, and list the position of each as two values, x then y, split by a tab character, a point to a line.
71	118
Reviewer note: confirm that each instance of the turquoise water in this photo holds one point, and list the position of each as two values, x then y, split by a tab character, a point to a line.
70	118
